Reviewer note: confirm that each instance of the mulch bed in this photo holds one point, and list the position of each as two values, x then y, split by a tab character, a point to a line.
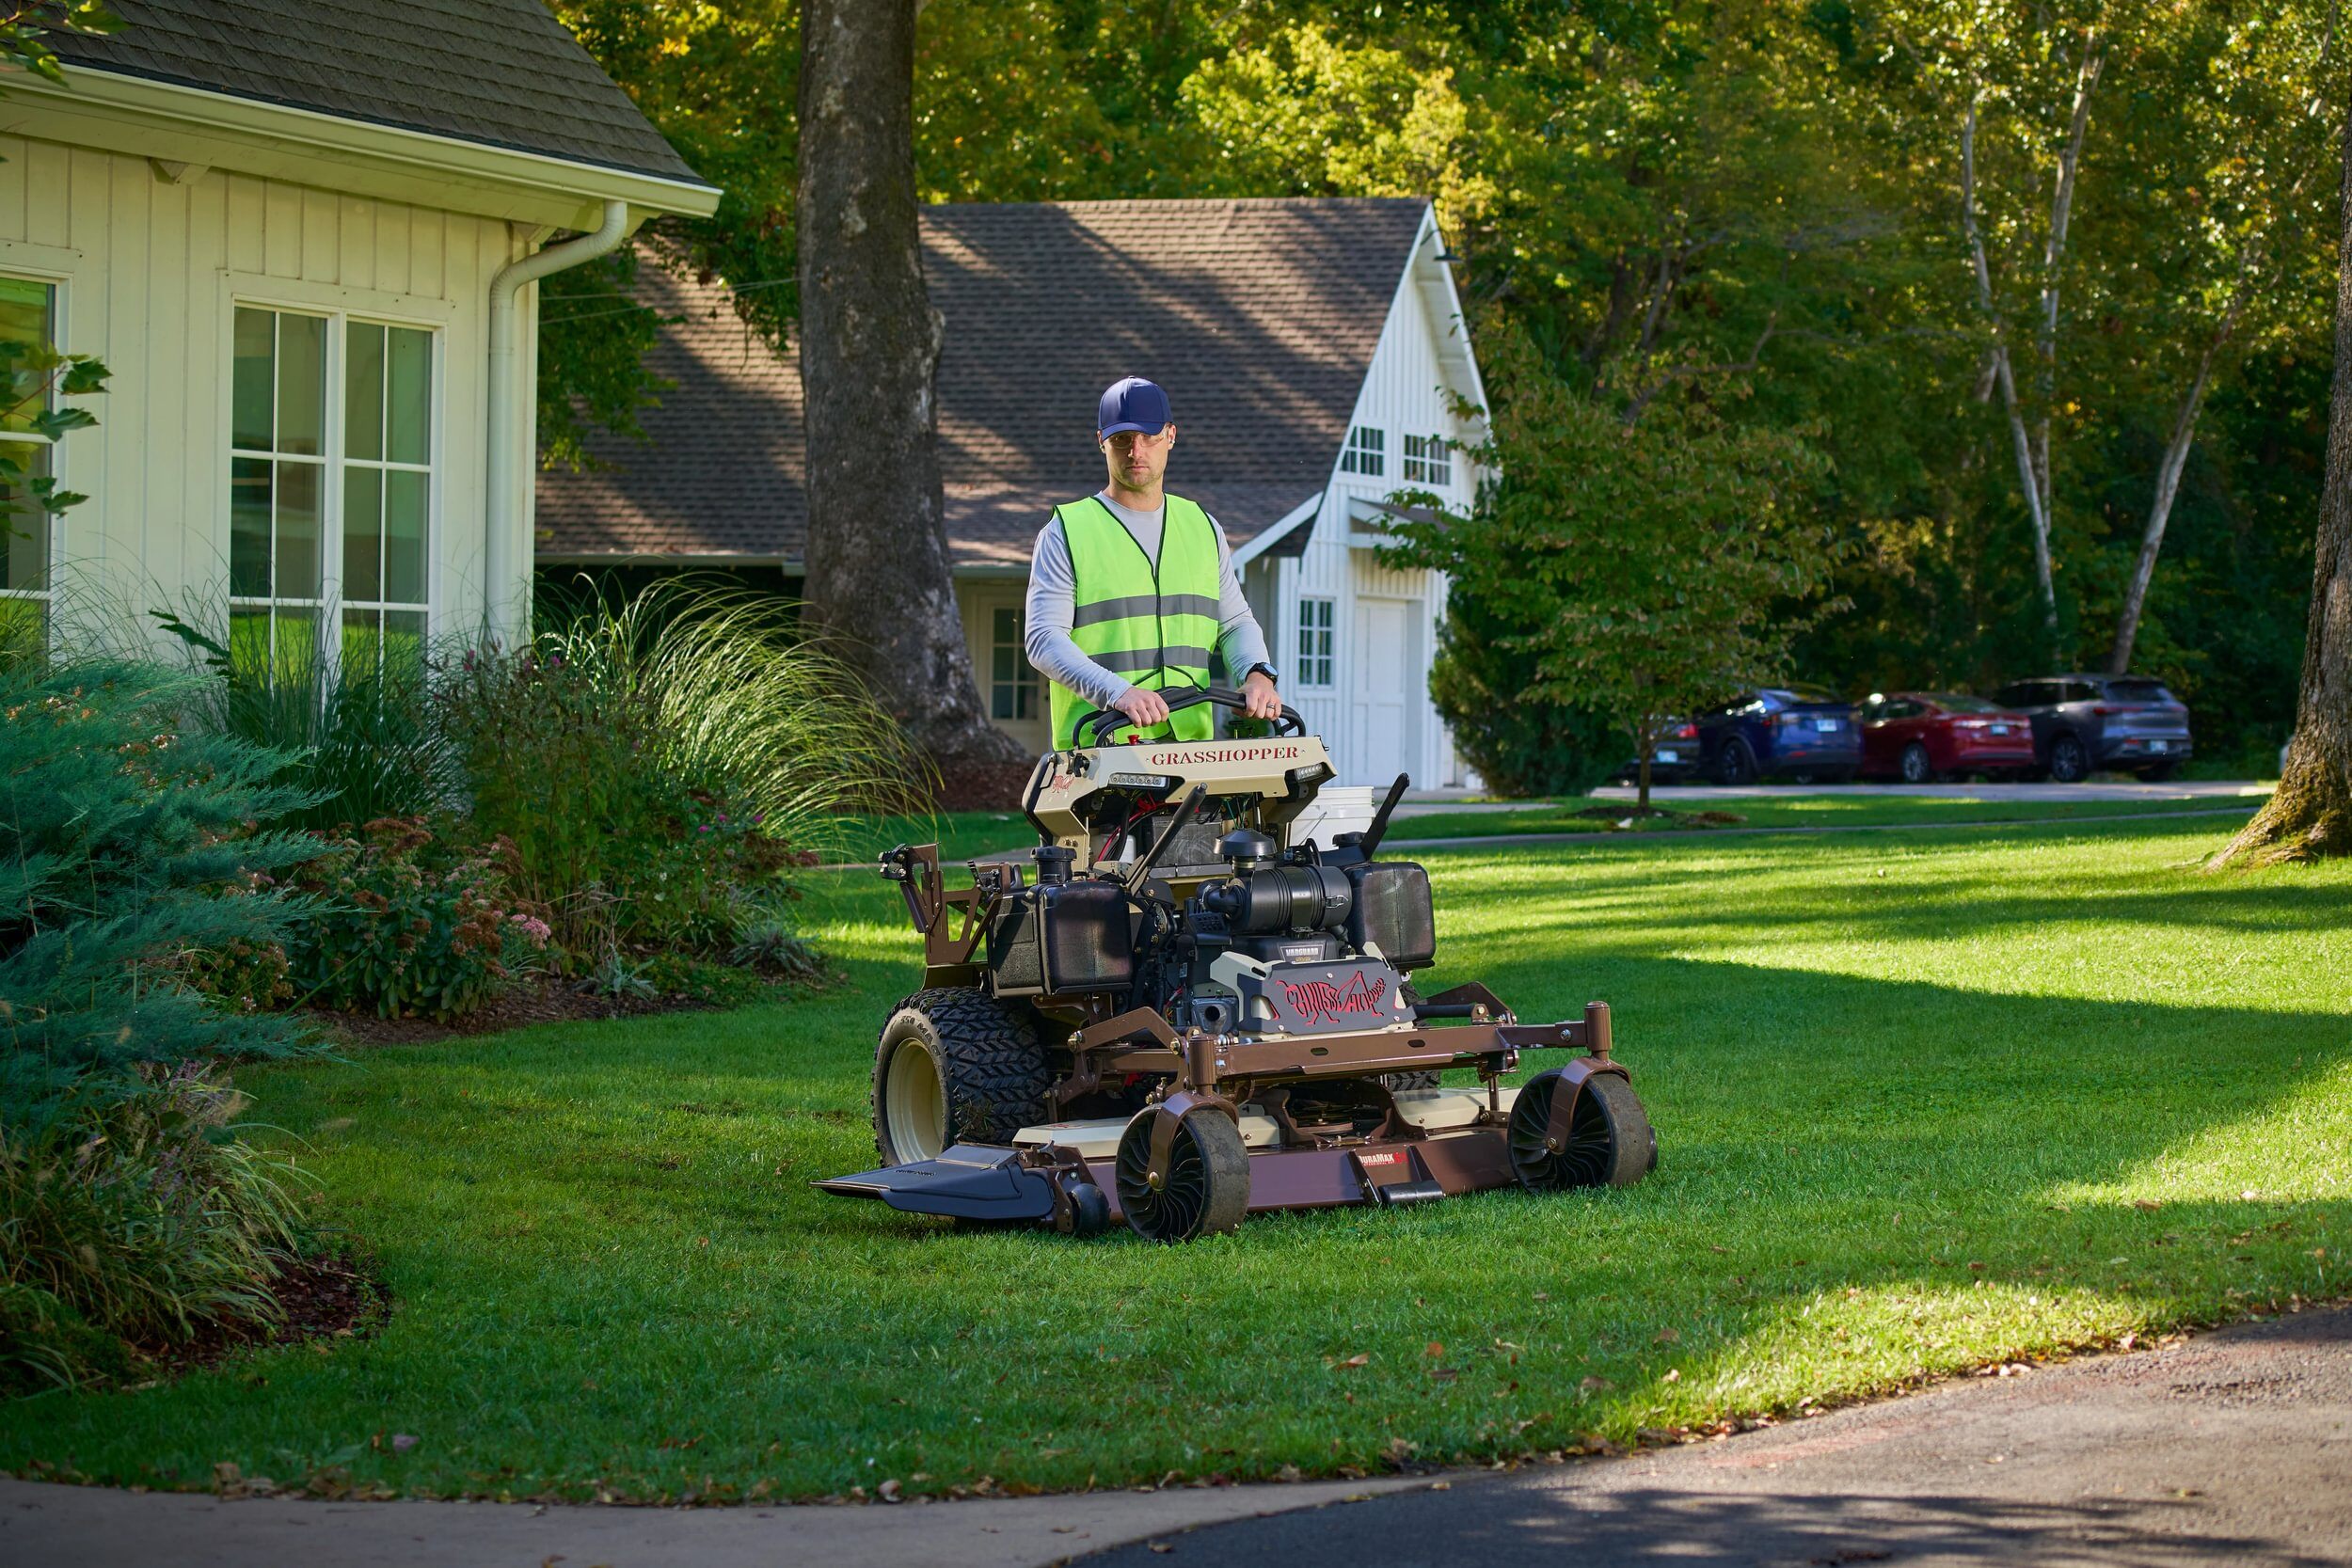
322	1298
543	1001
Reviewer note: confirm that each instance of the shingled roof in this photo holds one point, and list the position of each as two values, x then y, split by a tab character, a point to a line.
1259	317
502	72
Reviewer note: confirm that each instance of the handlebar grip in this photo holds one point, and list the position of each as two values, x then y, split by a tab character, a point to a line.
1092	728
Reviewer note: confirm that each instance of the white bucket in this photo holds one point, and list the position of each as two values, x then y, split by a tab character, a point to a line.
1336	809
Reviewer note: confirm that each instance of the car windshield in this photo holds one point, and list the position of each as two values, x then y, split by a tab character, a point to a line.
2139	692
1806	694
1954	702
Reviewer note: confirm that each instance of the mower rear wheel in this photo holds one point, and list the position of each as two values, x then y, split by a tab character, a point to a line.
1207	1188
1609	1142
955	1066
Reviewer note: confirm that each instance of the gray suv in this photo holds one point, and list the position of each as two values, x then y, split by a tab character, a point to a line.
2082	724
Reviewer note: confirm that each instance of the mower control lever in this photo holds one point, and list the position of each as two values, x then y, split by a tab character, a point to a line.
1369	842
1102	721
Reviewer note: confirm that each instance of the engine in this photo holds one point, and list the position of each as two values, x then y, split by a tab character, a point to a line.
1283	941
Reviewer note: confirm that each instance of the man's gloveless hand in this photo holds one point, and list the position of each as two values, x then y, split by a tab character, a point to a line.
1264	701
1143	708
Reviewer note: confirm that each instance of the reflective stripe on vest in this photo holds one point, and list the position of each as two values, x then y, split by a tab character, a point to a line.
1153	621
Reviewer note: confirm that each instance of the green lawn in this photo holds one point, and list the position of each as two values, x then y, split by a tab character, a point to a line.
1925	1101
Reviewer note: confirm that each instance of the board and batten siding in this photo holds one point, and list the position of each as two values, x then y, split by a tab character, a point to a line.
1377	711
149	273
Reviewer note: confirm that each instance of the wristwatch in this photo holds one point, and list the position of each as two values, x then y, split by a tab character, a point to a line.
1273	675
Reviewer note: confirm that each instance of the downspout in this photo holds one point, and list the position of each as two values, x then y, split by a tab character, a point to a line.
506	587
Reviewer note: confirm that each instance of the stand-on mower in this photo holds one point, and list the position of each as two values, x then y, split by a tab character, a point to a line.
1180	1013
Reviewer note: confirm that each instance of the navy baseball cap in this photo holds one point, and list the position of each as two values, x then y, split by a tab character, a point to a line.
1133	404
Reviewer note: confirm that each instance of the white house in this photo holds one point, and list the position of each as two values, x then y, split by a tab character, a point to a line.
303	237
1313	350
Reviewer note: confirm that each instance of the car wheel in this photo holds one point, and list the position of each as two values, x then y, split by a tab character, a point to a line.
1919	767
1737	765
2069	761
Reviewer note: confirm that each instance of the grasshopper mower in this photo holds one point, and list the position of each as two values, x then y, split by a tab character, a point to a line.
1180	1009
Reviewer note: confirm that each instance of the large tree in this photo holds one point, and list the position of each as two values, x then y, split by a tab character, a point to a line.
877	552
2311	813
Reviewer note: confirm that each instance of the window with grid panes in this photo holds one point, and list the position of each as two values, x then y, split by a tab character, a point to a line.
28	318
330	498
1367	450
1428	459
1315	642
1012	685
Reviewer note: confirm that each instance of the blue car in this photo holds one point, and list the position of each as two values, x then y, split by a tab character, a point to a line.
1806	734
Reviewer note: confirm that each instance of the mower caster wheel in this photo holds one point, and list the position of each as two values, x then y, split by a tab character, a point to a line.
1090	1212
1610	1141
1206	1187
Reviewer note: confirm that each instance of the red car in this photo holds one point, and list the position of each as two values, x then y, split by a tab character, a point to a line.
1920	736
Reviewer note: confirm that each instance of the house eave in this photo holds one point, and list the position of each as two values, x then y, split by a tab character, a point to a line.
189	126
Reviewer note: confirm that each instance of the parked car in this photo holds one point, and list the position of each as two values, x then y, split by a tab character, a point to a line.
1803	733
2082	724
1674	756
1920	736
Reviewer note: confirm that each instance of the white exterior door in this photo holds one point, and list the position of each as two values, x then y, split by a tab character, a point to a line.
1389	689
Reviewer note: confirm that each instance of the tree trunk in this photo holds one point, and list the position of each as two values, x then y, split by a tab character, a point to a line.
2310	815
2167	486
2031	476
878	574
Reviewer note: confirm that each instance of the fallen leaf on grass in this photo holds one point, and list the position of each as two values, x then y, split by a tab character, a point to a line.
1674	1374
1434	1350
2148	1203
1359	1360
888	1490
1667	1335
403	1442
1591	1385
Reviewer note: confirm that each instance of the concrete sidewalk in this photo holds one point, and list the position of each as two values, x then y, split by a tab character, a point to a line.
87	1527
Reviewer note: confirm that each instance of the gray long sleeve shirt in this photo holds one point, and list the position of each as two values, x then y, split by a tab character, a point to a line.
1053	596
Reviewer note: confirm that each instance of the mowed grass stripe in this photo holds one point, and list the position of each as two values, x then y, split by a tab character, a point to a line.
1915	1097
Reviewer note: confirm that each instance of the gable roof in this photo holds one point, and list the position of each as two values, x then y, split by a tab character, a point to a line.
500	73
1259	317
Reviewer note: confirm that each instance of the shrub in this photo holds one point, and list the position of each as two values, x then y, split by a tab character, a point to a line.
356	729
1519	749
407	926
129	1222
655	763
128	844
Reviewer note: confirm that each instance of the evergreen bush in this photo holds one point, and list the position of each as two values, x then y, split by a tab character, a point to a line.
128	846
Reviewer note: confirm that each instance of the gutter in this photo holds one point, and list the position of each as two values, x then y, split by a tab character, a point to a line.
506	586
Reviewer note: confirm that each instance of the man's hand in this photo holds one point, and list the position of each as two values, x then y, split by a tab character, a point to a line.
1146	709
1264	701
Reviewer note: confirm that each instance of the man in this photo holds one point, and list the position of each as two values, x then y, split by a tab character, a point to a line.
1131	588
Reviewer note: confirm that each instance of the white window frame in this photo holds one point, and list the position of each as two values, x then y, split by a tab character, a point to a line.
46	595
1025	675
1318	641
1428	459
339	307
1366	453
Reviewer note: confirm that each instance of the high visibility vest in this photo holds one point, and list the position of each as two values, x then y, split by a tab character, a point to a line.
1155	622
